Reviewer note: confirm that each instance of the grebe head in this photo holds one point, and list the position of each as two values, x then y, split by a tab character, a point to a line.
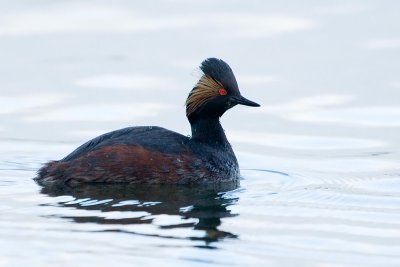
215	92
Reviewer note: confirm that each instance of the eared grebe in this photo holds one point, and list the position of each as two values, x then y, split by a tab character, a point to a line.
155	155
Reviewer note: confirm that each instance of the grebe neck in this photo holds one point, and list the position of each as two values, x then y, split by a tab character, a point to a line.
209	131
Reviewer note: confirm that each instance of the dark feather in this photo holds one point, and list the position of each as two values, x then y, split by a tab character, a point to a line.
144	136
220	71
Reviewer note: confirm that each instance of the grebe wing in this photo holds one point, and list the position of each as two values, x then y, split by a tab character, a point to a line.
141	135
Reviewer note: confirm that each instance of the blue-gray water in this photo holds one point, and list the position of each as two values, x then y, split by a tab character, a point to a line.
319	159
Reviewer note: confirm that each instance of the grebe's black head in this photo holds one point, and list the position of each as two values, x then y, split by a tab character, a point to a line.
216	92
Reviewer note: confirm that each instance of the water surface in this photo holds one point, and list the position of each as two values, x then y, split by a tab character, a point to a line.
319	159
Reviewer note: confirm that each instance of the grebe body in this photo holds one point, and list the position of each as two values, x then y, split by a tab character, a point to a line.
154	155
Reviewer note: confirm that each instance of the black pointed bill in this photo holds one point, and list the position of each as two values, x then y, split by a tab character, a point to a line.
244	101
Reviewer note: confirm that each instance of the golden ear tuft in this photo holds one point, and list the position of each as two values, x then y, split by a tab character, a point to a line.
205	89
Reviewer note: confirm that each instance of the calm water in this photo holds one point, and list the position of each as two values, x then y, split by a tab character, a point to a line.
319	159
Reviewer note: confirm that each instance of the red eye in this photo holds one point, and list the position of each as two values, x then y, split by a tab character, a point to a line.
222	91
